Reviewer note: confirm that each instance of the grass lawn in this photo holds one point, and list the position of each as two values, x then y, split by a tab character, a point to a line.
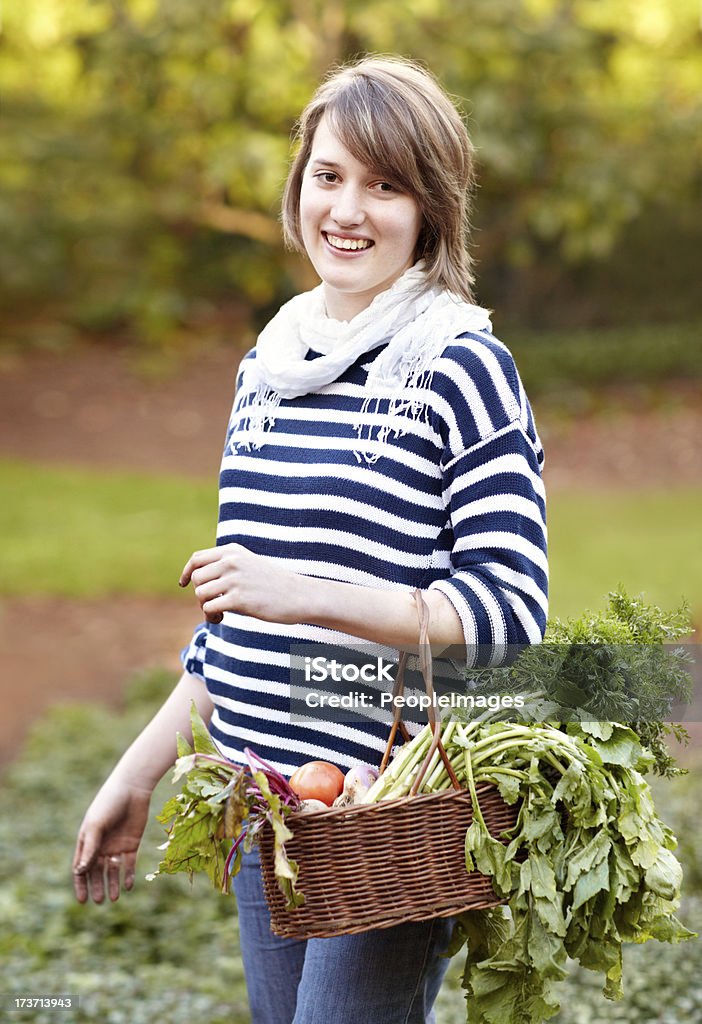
78	532
86	533
648	540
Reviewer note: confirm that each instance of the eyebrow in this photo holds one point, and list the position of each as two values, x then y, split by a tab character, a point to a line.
321	162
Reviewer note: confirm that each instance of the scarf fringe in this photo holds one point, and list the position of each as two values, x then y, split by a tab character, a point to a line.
262	401
418	379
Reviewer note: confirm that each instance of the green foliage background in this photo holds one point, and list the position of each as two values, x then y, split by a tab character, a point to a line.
145	143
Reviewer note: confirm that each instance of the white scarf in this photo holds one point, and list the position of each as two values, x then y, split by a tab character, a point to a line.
415	321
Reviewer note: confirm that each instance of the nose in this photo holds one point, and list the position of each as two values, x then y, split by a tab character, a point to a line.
347	209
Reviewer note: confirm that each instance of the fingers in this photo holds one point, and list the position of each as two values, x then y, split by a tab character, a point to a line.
91	866
83	859
129	870
104	876
207	593
96	880
113	868
210	587
207	573
196	561
80	886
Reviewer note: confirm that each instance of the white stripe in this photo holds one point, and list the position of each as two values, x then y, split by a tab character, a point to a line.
364	476
349	542
303	633
247	654
493	610
494	369
312	751
522	613
520	580
332	417
252	684
323	502
343	731
516	503
510	463
468	388
326	442
448	414
503	541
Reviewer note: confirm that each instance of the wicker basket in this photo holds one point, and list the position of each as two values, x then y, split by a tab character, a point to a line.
378	865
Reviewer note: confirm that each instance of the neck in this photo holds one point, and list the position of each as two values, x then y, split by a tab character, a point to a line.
344	307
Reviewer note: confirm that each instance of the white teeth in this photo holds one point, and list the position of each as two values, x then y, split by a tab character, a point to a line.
348	243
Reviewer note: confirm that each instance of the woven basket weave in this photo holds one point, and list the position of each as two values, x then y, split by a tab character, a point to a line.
378	865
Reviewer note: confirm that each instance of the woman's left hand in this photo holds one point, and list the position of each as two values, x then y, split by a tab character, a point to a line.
231	578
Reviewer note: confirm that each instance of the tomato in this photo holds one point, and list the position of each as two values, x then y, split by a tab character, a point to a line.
318	780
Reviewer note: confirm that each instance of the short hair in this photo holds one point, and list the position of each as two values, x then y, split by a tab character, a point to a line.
392	115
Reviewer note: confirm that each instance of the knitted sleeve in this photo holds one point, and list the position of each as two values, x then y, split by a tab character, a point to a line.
193	656
495	501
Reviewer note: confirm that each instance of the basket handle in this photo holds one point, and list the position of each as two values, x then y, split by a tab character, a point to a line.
426	668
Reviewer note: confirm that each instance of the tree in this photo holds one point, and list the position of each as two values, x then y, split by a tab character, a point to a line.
145	142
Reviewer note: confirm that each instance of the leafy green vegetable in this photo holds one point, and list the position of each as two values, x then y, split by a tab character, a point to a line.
588	866
617	665
219	802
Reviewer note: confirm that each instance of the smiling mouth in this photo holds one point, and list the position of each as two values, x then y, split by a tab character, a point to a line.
347	244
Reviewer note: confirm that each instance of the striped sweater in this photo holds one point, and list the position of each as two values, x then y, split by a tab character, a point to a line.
447	495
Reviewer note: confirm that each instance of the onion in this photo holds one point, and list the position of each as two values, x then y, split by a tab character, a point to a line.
318	780
310	806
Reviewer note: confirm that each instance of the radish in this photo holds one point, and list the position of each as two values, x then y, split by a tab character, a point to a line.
357	783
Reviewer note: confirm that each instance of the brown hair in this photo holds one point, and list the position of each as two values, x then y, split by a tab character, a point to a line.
393	116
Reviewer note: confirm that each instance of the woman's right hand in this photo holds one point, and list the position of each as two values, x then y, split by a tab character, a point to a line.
108	841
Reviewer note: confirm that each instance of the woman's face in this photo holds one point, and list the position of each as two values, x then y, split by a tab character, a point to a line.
359	230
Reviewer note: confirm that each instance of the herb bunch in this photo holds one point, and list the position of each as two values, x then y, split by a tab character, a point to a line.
614	665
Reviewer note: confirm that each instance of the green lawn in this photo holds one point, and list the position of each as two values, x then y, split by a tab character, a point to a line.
88	533
648	540
81	532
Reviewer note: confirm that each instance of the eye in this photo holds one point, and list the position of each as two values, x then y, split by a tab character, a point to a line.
326	177
385	187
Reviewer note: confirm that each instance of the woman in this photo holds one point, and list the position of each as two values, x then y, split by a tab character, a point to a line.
380	441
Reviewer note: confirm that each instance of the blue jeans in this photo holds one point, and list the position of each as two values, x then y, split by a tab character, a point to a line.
386	976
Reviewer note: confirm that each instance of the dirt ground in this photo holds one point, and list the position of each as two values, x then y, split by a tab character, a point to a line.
94	407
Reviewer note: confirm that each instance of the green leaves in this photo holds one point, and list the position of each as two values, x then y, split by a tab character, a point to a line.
286	870
220	801
136	135
588	867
